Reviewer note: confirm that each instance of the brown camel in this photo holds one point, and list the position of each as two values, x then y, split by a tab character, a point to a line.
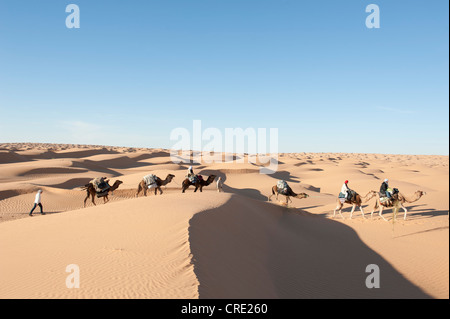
397	200
357	200
90	190
288	195
199	183
159	182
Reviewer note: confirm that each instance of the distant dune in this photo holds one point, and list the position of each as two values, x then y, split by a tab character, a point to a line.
217	245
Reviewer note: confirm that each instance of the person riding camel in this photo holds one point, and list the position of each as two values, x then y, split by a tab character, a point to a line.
384	189
345	190
191	175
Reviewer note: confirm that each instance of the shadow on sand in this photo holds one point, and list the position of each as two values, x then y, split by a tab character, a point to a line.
249	249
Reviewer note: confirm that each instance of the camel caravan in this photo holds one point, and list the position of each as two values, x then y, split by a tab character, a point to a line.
387	197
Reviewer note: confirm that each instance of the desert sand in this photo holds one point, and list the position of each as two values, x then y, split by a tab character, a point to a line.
234	244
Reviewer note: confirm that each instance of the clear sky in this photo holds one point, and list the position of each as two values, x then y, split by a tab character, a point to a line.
136	70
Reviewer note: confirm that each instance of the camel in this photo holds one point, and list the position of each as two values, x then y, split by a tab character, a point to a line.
357	200
397	201
90	190
199	184
288	195
159	182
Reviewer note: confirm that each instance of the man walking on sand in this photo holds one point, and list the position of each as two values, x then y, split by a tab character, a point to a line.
220	185
37	202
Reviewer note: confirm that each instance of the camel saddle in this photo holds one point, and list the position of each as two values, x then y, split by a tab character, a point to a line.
350	196
150	180
384	198
282	187
194	178
100	185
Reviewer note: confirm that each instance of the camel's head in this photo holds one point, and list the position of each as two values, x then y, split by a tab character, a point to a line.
302	195
420	193
170	177
372	194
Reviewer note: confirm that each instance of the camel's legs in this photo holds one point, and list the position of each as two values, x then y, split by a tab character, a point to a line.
373	210
276	195
339	208
362	212
406	211
381	213
138	190
93	199
86	199
287	201
353	209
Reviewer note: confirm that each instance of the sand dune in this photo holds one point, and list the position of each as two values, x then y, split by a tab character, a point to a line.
217	245
128	249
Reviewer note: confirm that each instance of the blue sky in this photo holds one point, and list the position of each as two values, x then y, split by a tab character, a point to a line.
136	70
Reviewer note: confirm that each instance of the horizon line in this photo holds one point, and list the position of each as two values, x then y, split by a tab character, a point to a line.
245	153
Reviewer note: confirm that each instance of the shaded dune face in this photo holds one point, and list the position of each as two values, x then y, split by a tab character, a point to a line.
269	252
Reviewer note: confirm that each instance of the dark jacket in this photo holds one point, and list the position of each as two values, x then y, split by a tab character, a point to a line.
384	187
